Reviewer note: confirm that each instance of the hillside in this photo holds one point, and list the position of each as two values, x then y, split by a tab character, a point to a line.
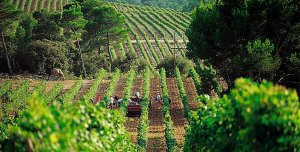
151	30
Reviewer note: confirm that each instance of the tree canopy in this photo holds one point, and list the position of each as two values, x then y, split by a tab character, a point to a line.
246	37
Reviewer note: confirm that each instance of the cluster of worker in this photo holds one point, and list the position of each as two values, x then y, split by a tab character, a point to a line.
118	100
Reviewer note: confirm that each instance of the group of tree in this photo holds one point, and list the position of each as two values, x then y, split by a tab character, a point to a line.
245	38
77	40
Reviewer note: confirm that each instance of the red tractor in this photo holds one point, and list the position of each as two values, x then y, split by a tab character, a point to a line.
134	108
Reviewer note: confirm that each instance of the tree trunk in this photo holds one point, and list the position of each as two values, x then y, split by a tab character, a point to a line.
109	53
5	52
79	48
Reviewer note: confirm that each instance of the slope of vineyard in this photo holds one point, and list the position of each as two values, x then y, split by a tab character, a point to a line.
157	28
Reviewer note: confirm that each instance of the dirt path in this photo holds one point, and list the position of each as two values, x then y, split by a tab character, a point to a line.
132	123
84	89
156	130
119	89
191	93
67	84
176	111
102	88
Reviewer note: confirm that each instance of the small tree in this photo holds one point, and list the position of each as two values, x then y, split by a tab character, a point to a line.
8	16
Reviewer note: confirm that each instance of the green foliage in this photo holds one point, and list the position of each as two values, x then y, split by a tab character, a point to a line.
5	88
168	64
259	59
253	117
53	93
169	130
208	78
127	91
144	121
111	86
67	98
220	32
93	89
45	55
131	61
183	95
79	127
196	79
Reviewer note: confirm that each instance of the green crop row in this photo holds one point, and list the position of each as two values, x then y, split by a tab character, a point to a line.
127	91
68	97
183	95
152	33
131	48
172	23
169	130
138	42
144	122
13	95
120	46
111	86
178	19
5	88
156	28
196	79
144	34
19	97
93	89
53	93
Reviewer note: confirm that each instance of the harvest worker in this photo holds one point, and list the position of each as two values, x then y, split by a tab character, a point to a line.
111	102
137	94
98	98
158	97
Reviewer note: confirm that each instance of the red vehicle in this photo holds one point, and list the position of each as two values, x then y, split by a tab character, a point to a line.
134	108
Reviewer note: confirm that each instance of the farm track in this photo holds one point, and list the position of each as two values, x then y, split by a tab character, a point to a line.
50	85
84	89
191	93
67	84
176	111
119	89
156	130
131	124
102	88
137	50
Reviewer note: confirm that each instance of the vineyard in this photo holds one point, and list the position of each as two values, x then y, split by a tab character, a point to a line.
153	32
152	131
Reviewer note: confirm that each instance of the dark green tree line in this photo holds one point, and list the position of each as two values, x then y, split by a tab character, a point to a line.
247	38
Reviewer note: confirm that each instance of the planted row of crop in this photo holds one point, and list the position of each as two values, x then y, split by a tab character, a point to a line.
162	50
149	21
173	24
68	97
5	88
138	42
127	91
53	93
196	79
169	130
120	46
19	97
183	95
93	89
178	19
111	87
144	122
145	36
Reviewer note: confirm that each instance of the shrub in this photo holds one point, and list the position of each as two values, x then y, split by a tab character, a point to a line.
253	117
168	64
78	127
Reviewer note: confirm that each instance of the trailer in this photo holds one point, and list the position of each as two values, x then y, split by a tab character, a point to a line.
134	108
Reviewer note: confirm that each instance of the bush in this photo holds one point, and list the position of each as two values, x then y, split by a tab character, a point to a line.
78	127
253	117
168	64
